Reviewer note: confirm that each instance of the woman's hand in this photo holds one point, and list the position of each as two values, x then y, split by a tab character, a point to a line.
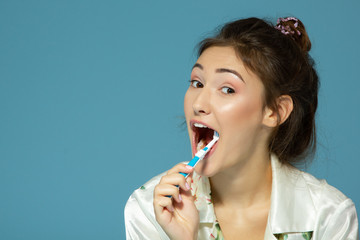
177	215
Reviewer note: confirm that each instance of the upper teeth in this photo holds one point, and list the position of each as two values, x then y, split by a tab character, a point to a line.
199	125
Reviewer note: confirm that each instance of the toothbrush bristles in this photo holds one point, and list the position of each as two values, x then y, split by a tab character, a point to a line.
216	134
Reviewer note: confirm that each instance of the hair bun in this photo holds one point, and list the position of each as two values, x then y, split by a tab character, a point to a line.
294	28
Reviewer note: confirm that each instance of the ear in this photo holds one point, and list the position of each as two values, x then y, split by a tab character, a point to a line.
285	106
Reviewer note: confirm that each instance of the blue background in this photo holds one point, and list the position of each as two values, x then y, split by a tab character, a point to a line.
91	103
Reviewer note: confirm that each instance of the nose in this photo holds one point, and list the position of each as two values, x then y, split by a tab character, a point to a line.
201	104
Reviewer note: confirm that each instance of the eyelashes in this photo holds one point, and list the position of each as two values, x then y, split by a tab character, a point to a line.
226	90
196	84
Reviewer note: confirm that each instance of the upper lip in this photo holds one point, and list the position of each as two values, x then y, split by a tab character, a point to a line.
196	121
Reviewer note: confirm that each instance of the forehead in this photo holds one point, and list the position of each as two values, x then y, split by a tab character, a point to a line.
224	57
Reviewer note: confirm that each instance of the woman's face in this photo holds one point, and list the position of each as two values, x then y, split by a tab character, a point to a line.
228	98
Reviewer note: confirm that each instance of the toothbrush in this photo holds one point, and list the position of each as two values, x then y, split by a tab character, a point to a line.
201	153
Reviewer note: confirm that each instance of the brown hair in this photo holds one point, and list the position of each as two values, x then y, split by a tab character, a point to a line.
283	64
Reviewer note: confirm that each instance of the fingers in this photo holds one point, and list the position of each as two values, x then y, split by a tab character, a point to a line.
169	185
174	181
170	191
165	203
175	178
181	167
172	213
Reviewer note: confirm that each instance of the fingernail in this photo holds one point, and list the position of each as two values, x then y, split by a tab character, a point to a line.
187	186
189	167
170	208
180	198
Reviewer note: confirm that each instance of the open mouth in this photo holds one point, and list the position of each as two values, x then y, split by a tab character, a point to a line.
202	135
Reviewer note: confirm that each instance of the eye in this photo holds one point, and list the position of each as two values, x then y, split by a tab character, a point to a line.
196	84
227	90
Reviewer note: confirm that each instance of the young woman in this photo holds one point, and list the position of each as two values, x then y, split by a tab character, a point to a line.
255	84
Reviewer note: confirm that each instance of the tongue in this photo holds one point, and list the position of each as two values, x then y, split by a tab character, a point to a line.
205	135
201	144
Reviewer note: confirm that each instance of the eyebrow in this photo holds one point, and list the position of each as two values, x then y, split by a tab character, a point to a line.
198	65
221	70
225	70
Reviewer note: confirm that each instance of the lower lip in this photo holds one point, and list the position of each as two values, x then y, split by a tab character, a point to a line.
212	150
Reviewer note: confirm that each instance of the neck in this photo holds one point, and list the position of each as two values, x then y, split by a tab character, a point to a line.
244	186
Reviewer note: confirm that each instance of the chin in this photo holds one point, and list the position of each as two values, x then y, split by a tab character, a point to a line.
204	168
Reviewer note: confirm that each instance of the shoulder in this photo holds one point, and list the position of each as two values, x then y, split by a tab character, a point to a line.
144	193
336	216
321	191
318	191
142	197
324	195
140	222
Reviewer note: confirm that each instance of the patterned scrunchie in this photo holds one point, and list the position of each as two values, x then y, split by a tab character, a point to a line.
286	29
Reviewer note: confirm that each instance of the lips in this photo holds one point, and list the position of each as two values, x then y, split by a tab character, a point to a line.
202	135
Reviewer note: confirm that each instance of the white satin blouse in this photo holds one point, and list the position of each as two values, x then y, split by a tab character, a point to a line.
302	207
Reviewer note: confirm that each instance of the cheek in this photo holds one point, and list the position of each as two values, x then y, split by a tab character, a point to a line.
240	125
187	104
240	111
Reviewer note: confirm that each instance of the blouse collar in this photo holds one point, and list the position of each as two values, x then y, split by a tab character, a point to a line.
292	208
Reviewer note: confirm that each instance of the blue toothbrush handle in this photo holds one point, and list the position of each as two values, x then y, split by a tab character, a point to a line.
200	155
192	163
184	174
